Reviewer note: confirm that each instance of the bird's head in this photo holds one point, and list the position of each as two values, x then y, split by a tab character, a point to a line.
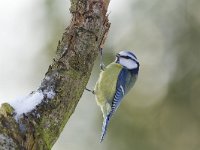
127	59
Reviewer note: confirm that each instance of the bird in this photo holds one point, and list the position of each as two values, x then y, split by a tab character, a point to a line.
114	82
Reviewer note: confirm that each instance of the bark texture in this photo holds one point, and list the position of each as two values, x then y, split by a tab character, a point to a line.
67	76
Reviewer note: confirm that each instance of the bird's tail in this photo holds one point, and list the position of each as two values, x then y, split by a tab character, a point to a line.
105	125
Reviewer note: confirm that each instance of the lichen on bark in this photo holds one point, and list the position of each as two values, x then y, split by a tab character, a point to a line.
67	76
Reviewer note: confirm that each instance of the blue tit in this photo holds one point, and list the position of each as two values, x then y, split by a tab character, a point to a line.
114	82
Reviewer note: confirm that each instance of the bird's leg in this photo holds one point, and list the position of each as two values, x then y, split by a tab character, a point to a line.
102	66
92	91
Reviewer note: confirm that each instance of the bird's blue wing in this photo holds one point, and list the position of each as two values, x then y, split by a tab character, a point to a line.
119	94
120	90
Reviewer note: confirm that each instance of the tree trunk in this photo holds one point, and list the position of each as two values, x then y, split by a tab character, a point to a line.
66	77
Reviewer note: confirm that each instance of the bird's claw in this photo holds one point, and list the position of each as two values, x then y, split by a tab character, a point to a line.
102	66
92	91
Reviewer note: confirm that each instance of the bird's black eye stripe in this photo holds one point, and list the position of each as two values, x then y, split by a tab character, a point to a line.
127	57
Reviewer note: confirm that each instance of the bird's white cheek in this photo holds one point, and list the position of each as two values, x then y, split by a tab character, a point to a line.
128	63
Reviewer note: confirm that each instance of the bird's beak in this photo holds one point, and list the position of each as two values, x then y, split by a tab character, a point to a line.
117	58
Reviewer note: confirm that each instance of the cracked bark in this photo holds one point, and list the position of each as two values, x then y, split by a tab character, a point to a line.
67	76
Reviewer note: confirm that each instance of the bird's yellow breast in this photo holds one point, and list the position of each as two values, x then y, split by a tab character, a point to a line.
106	85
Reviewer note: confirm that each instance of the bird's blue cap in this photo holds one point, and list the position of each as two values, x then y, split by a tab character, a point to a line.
127	54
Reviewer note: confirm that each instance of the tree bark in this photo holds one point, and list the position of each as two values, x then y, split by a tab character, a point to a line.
67	77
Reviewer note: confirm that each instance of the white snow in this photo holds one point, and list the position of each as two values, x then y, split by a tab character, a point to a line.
130	64
47	78
27	103
49	94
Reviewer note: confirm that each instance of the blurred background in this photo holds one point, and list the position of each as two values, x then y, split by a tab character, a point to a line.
162	112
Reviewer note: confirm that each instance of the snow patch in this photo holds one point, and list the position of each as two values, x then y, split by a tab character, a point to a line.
47	78
49	94
27	103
